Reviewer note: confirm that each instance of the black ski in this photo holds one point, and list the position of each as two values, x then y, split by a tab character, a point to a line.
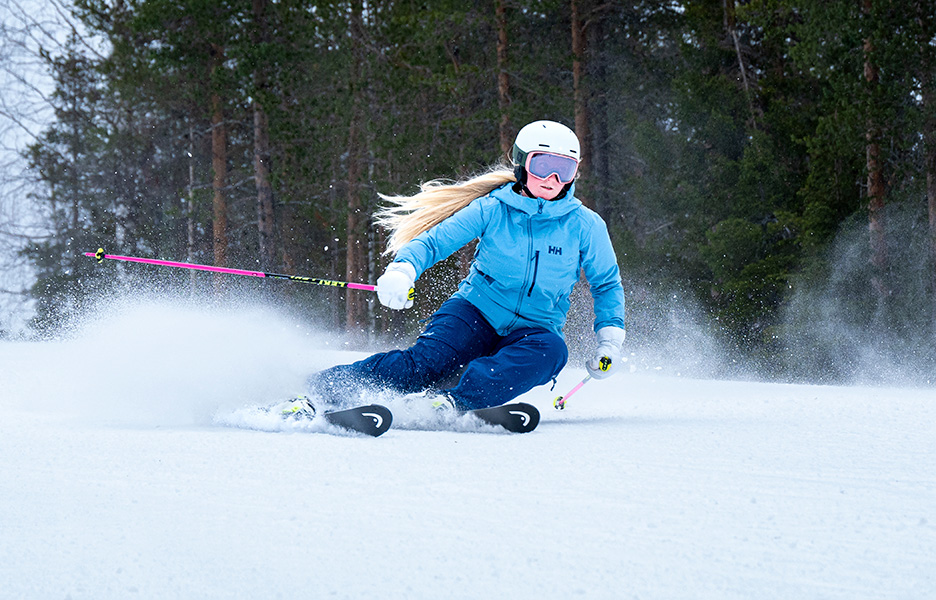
519	417
370	419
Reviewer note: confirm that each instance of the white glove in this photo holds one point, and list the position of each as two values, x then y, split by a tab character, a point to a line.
608	357
395	286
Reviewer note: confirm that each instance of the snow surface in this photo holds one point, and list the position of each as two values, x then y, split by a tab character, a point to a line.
129	471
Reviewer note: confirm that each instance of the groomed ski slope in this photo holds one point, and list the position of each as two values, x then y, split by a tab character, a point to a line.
124	475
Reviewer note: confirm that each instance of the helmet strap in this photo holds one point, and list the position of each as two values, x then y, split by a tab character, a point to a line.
521	186
565	190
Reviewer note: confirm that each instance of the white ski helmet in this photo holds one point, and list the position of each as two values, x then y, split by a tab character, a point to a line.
545	136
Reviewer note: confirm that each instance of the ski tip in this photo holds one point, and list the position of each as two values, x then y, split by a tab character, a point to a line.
381	417
527	417
518	417
371	419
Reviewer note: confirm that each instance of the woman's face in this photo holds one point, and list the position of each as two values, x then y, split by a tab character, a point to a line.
547	189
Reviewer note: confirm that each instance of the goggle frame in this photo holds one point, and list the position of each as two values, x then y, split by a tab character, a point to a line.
551	163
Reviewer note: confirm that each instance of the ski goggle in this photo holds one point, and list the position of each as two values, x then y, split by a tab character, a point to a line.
544	164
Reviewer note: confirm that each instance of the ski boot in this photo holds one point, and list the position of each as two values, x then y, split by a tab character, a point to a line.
443	402
438	401
299	408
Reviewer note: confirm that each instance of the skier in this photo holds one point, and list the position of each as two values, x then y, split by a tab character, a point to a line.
500	334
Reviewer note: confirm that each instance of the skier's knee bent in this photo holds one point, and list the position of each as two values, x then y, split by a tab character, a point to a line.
538	353
524	360
413	369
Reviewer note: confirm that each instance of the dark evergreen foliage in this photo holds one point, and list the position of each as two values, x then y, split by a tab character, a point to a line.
728	147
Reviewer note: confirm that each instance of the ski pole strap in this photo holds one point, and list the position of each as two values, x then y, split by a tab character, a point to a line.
101	256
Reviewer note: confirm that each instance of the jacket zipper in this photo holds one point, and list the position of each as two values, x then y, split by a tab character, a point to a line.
530	251
535	271
539	211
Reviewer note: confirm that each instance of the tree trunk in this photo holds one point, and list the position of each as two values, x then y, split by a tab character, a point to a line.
931	197
931	177
266	219
876	187
599	166
929	153
219	182
265	213
730	20
503	80
927	24
929	149
580	99
356	258
190	206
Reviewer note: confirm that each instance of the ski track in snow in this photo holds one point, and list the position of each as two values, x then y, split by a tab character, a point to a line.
133	469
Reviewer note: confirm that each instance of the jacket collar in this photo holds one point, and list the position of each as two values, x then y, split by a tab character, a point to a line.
551	209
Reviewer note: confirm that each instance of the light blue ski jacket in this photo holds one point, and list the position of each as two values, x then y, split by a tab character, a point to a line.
529	255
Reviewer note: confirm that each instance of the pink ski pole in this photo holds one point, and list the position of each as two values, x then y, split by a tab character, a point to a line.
100	256
559	402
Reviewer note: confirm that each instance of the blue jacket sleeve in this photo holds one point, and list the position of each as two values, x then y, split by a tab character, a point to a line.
445	238
599	264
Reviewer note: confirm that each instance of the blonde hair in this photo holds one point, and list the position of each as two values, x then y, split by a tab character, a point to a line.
408	216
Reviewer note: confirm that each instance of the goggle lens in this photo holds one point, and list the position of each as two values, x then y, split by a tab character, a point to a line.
542	165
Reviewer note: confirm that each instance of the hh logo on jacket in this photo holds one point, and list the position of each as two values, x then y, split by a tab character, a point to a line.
555	250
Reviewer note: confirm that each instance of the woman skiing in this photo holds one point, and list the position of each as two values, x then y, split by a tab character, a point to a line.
502	330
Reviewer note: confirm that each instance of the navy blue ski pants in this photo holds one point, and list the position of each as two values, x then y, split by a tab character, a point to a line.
458	340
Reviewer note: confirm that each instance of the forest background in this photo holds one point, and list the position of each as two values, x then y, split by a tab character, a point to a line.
766	168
